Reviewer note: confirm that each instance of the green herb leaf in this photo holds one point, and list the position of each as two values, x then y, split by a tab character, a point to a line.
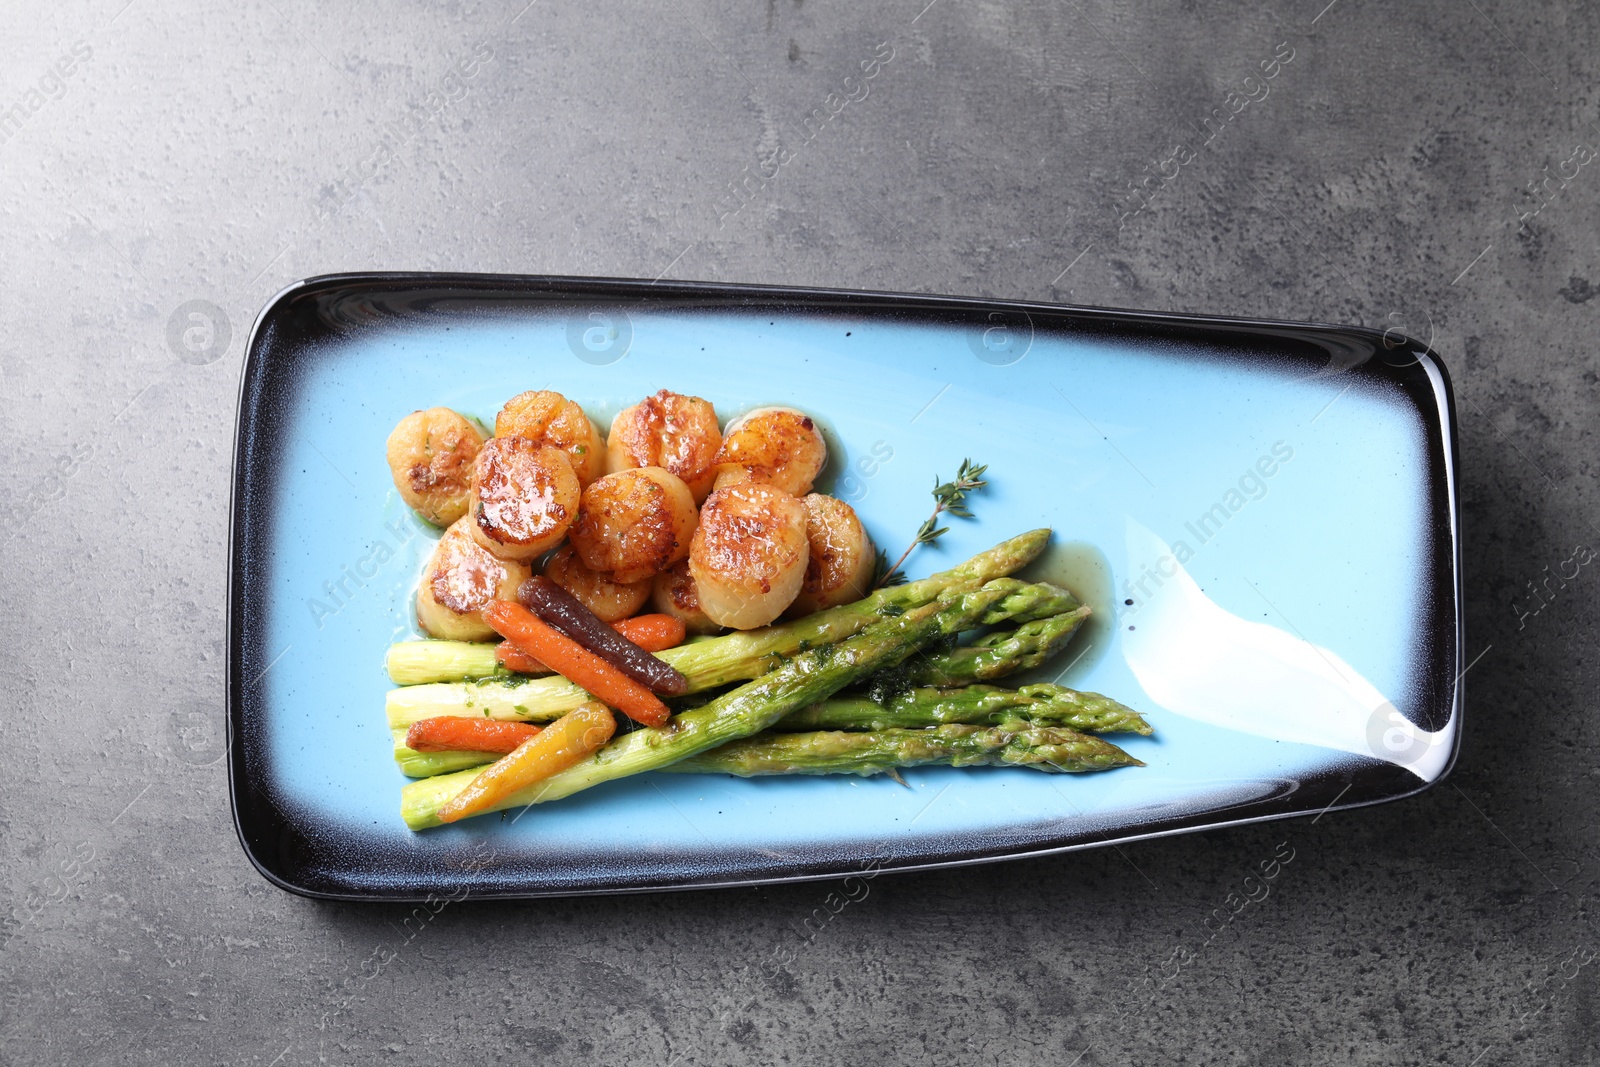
949	498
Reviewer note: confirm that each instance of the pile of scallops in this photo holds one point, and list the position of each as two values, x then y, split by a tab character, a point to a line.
716	527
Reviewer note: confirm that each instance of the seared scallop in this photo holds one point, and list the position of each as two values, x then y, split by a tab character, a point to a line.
781	447
749	554
524	497
607	599
430	457
842	556
461	577
634	524
668	430
675	594
548	418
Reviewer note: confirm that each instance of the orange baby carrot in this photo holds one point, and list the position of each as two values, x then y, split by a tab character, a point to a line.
558	746
455	733
653	633
512	658
573	662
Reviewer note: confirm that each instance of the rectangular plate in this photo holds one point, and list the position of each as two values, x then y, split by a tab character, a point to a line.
1262	515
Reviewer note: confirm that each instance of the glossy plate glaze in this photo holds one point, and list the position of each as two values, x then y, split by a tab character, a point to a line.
1262	515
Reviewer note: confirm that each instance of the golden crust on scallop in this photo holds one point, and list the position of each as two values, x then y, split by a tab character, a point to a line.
459	579
668	430
749	554
524	497
842	556
634	523
674	594
609	600
430	456
774	446
548	418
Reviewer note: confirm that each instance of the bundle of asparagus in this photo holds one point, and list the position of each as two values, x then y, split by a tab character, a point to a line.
924	701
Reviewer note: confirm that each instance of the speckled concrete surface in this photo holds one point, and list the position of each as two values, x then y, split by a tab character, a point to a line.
1380	176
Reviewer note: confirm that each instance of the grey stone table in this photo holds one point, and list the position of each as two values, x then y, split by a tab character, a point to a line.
1426	167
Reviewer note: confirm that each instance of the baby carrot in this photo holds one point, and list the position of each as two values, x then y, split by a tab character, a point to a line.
558	746
653	633
568	614
574	662
512	658
456	733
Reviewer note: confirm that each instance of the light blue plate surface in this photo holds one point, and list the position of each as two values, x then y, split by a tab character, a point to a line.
1118	444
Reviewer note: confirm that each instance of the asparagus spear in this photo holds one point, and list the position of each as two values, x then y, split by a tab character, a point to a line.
545	699
416	662
1044	748
808	677
740	656
986	705
414	764
1027	601
989	657
411	662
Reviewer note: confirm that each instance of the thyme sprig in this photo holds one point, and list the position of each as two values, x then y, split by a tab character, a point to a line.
949	498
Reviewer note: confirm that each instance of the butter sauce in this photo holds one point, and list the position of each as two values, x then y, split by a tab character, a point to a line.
1083	569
